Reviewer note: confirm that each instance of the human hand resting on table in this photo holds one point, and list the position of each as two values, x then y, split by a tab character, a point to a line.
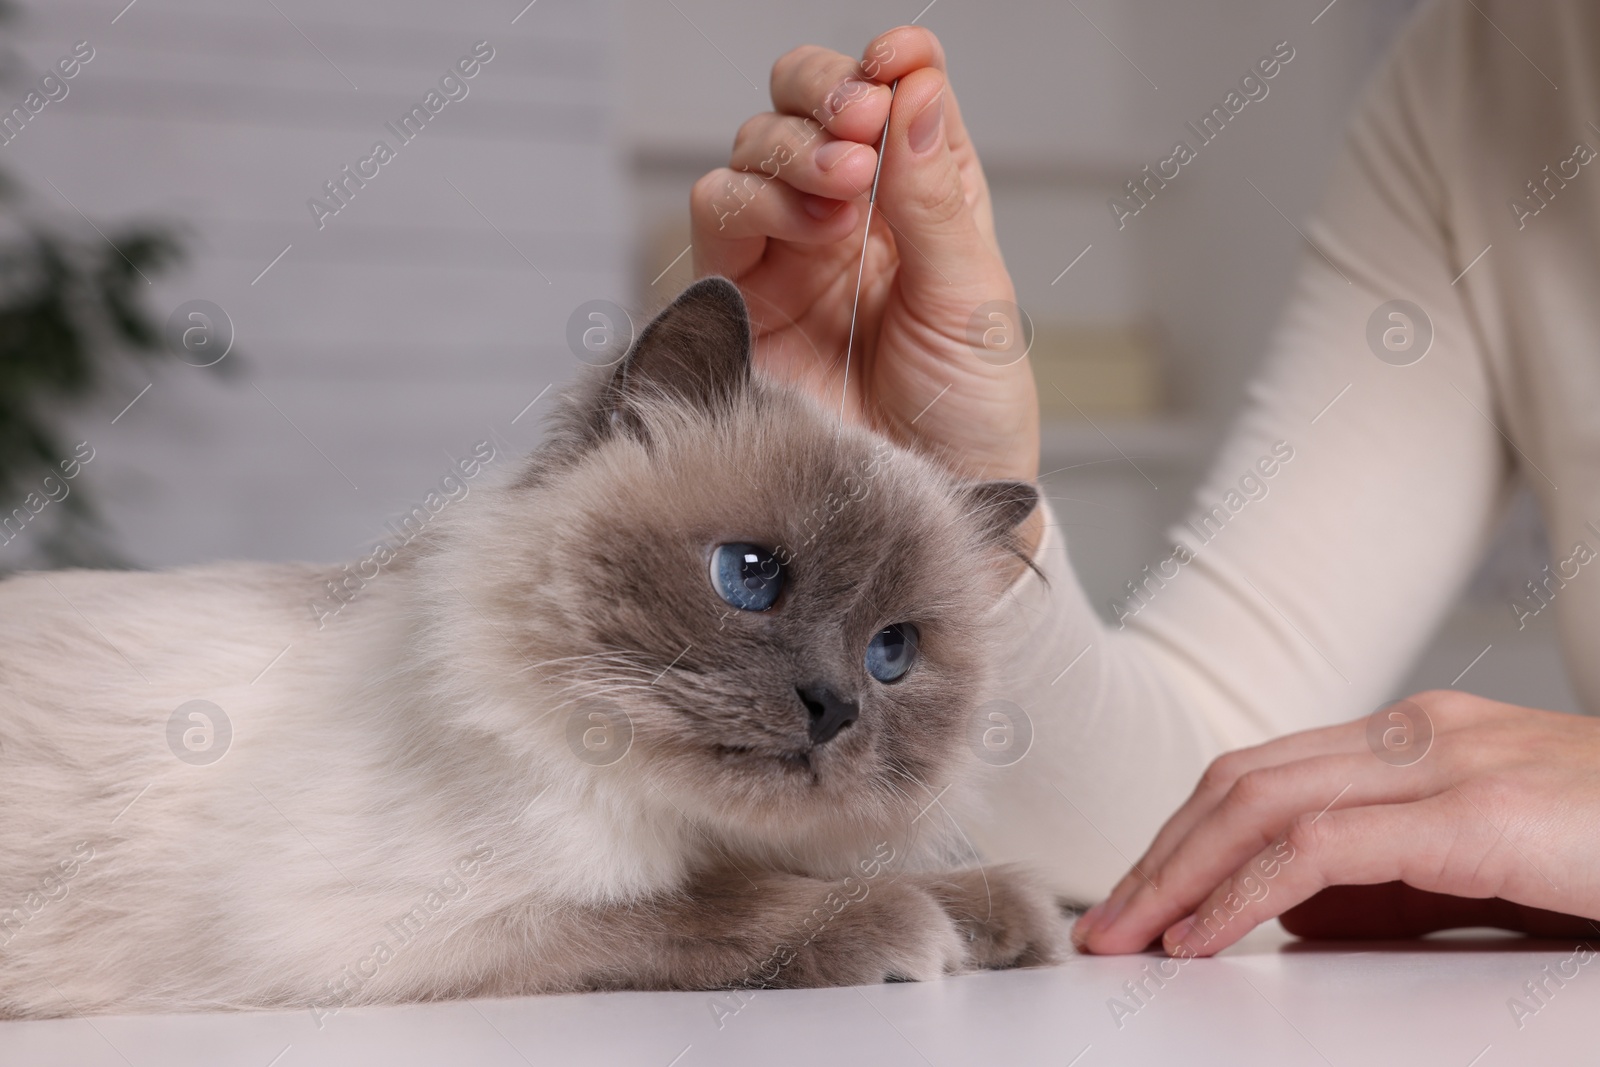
784	220
1494	825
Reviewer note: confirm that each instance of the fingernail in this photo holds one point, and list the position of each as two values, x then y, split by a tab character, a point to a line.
1176	940
1097	919
847	93
924	130
1085	924
834	153
820	207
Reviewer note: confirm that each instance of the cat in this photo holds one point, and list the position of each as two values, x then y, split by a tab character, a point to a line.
672	705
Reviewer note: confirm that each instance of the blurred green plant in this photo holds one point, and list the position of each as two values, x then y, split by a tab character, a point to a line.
72	316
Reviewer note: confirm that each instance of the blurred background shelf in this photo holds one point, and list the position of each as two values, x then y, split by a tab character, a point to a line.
1168	441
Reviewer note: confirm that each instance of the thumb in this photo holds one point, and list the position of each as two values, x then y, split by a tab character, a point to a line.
949	264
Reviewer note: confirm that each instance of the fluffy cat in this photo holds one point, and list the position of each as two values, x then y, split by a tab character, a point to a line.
668	707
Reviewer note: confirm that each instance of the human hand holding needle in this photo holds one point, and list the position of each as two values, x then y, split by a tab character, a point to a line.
785	221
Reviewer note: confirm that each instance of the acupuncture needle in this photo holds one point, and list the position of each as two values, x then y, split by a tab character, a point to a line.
866	235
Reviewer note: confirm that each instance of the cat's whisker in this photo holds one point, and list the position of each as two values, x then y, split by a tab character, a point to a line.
607	654
893	768
592	695
592	690
607	665
591	683
576	681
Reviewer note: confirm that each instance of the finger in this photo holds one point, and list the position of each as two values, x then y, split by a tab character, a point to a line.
900	51
948	266
847	95
733	213
802	154
832	89
897	52
1214	784
1254	812
1355	846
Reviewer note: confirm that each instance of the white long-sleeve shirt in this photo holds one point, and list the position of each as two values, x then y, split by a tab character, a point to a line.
1469	185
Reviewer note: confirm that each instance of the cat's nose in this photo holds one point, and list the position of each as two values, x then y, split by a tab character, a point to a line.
829	712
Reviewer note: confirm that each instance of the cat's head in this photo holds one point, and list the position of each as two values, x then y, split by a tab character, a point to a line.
775	620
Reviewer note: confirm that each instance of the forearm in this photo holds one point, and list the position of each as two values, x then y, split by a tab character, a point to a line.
1096	746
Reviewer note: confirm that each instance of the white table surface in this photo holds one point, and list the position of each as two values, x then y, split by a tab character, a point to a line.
1268	1000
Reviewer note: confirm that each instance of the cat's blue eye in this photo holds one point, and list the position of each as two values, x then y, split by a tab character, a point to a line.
891	652
747	576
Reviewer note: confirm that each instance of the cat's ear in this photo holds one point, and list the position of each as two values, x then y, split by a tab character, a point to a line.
697	350
1000	507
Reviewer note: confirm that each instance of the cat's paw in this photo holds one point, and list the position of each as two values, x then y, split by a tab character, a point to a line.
897	930
1004	918
921	927
727	930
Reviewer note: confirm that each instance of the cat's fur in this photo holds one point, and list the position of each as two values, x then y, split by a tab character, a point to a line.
403	814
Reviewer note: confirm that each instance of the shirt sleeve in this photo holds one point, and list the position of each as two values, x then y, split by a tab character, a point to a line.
1340	520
